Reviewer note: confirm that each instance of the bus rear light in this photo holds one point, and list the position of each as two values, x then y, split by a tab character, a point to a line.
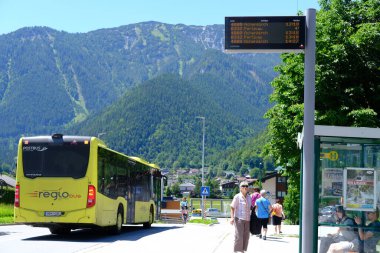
17	196
91	197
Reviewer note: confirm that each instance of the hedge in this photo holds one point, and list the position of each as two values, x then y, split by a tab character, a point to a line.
7	195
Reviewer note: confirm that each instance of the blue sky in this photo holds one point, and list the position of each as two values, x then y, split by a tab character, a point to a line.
88	15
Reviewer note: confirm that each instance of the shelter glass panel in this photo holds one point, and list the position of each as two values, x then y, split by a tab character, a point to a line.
348	173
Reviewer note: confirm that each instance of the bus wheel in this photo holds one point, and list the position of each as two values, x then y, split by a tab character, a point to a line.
116	229
59	230
151	219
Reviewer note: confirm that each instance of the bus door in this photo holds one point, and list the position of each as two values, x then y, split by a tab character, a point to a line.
130	204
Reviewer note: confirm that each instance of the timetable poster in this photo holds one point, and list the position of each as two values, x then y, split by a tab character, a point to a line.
332	182
359	189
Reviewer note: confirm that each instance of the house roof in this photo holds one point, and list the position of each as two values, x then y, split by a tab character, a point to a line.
8	180
240	179
269	176
249	180
187	185
192	171
279	168
229	182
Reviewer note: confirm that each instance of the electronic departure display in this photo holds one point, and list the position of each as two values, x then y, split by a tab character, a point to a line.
272	34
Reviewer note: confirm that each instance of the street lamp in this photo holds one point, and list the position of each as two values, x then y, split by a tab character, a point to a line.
203	160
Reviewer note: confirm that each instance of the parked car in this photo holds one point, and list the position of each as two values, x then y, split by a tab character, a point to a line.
196	214
212	212
327	214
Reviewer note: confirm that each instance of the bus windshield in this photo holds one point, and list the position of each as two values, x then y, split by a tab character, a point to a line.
64	159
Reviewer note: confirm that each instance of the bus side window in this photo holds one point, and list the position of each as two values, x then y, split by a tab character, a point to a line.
101	175
102	185
111	187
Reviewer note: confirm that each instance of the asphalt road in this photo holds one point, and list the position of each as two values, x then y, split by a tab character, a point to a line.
161	238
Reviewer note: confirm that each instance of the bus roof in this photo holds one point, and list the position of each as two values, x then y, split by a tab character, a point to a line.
49	138
140	160
65	138
153	165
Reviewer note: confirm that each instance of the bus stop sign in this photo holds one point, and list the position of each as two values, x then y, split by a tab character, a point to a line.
265	34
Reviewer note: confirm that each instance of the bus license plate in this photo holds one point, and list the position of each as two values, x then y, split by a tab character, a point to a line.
52	214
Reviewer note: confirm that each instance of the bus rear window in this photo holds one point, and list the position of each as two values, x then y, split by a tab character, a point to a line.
66	159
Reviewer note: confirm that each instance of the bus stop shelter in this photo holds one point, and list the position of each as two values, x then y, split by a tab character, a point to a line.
347	174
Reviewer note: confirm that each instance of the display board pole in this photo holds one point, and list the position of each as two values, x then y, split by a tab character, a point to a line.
308	205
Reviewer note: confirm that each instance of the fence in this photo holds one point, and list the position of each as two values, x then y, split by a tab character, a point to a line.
223	205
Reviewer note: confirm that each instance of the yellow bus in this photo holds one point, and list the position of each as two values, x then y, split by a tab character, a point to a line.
70	182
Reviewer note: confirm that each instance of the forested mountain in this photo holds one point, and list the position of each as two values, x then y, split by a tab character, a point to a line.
50	81
157	120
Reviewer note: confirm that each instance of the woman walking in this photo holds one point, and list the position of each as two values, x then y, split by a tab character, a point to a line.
240	217
264	209
255	224
278	213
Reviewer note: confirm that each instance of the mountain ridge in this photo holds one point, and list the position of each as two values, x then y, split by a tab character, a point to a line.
52	80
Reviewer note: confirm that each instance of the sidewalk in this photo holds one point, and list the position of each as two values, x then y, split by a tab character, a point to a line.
287	242
198	238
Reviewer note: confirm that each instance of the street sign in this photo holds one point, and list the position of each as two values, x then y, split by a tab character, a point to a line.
265	34
205	191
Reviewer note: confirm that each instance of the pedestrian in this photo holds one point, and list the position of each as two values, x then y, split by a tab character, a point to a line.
184	209
277	214
240	217
369	235
183	203
344	239
255	224
264	209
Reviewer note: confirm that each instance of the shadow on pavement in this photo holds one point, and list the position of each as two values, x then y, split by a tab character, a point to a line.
273	238
4	233
128	233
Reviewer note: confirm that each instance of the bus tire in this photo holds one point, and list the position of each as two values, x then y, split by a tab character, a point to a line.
57	230
151	219
116	229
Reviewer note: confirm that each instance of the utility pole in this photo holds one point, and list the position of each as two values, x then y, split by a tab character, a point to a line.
203	161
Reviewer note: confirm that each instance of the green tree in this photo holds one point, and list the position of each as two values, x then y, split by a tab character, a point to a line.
197	188
235	191
347	77
214	188
168	191
291	202
176	190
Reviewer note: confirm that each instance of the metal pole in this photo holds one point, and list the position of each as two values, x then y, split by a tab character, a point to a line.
203	150
203	166
203	161
308	231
